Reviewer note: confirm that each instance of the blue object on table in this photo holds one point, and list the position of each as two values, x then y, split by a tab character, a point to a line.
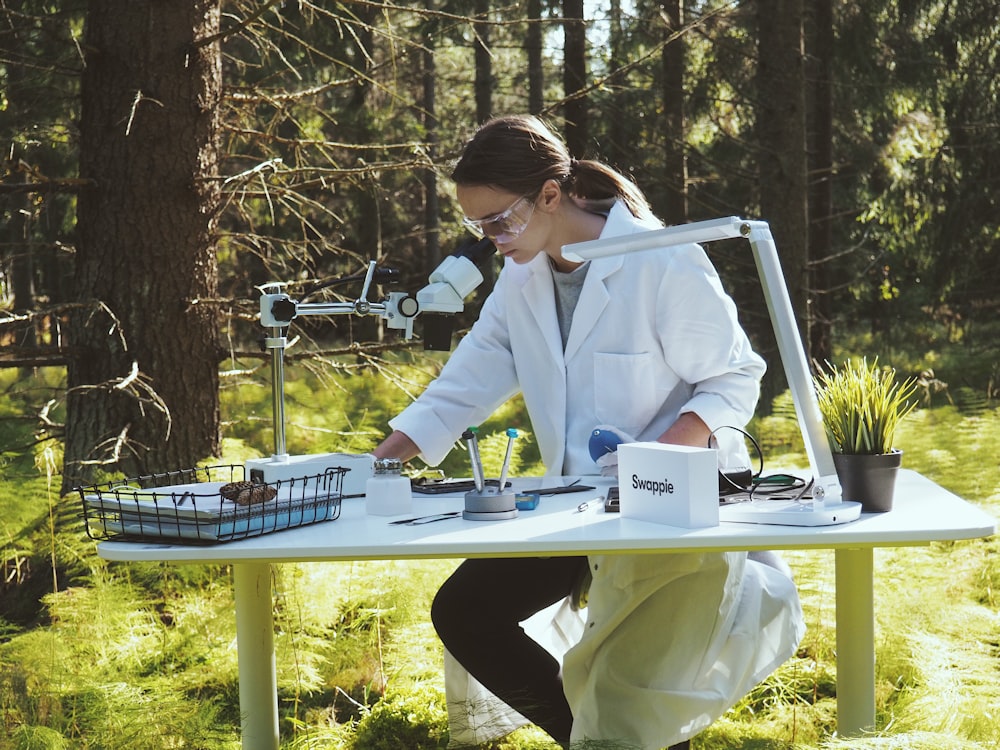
526	500
603	442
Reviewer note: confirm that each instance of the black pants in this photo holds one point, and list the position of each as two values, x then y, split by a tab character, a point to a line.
476	614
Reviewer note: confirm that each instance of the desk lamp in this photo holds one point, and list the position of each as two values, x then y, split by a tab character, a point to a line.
826	489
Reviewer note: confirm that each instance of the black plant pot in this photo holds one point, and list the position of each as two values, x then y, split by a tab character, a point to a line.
869	480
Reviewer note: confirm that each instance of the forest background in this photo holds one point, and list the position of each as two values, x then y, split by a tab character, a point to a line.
162	160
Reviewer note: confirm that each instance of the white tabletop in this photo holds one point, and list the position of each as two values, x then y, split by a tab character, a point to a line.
922	512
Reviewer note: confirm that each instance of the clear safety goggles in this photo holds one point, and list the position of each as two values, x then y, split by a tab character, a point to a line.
505	226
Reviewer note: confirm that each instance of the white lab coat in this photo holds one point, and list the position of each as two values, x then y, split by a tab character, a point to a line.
653	335
670	641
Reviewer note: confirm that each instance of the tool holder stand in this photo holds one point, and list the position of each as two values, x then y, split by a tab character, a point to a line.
490	505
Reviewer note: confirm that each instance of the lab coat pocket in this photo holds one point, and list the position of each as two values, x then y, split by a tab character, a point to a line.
624	390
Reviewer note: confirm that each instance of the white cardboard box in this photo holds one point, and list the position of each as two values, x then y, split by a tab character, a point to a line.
360	467
671	484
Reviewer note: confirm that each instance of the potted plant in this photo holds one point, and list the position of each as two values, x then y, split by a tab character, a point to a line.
862	404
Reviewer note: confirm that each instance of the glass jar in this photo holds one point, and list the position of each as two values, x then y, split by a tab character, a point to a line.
387	492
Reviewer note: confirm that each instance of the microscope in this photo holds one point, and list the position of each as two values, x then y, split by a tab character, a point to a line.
444	296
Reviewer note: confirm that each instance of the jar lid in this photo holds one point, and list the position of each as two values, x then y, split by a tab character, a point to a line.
388	466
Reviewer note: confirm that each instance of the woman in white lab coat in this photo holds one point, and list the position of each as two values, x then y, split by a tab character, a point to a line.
649	343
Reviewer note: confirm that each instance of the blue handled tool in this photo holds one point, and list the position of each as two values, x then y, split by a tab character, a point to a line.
511	436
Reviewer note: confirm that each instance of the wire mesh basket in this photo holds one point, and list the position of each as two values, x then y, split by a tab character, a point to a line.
207	505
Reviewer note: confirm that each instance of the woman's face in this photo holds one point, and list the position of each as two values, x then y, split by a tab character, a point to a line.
509	219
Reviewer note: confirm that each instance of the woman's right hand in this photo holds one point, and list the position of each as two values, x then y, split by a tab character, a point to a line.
397	445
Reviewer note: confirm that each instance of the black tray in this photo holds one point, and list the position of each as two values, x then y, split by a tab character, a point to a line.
186	507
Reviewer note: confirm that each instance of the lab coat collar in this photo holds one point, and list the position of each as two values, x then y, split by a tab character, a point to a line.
539	296
594	297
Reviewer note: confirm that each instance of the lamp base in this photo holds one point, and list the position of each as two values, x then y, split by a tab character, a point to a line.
790	513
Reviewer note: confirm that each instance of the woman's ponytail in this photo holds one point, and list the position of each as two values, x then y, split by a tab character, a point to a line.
595	180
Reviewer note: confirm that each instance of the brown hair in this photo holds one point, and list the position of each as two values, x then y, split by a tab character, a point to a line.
519	153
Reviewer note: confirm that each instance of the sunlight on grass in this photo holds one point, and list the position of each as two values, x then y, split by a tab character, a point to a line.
906	741
128	656
959	688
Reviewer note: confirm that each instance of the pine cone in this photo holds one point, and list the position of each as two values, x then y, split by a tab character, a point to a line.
247	493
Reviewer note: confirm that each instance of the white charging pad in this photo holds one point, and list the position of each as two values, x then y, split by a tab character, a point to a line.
790	513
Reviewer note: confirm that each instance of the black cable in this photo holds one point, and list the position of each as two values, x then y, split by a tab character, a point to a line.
771	484
760	457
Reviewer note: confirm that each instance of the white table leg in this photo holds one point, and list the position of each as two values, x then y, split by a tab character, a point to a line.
255	651
855	641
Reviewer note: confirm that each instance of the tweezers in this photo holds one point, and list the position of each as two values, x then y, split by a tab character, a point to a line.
425	519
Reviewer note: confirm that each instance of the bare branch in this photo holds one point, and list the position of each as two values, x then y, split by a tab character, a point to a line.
243	25
67	185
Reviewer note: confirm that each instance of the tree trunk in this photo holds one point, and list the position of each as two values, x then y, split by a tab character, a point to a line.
781	130
533	46
356	125
575	77
22	272
819	40
17	216
484	110
675	162
484	63
144	395
432	222
618	148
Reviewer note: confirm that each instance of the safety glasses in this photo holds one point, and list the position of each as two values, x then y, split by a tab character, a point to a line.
505	226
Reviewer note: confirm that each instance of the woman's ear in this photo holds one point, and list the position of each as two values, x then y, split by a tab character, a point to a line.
549	197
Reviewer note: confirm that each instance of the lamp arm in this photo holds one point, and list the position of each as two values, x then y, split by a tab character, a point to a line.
700	231
779	307
793	358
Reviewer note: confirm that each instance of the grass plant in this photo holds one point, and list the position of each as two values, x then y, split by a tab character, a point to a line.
862	406
123	656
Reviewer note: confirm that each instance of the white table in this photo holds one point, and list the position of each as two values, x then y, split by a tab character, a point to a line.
923	512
